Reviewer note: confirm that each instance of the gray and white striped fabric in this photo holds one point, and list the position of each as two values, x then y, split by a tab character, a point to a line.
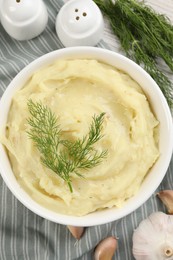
26	236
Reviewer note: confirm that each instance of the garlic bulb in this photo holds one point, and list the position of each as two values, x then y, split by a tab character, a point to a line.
153	239
166	197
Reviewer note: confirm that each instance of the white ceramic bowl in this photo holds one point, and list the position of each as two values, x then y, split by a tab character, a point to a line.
159	106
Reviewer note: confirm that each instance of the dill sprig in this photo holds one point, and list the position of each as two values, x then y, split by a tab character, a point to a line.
64	156
144	35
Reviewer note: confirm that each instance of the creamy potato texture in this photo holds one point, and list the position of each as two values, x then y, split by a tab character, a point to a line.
75	90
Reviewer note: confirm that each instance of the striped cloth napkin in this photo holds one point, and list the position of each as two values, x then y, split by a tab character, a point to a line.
23	234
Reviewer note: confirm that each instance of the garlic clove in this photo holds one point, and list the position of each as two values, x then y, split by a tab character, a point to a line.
166	197
77	232
105	249
153	239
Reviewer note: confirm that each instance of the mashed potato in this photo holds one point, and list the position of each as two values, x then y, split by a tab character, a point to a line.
75	90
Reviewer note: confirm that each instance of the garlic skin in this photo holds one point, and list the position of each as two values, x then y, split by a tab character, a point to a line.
76	232
166	197
105	249
153	239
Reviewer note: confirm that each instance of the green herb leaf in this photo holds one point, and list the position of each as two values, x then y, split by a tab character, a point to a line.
145	36
64	156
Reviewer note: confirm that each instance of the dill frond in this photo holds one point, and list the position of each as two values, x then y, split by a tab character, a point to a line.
145	36
63	156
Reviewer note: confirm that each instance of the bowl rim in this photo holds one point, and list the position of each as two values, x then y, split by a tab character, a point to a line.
98	217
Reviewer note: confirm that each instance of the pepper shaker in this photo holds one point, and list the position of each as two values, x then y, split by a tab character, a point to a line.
79	23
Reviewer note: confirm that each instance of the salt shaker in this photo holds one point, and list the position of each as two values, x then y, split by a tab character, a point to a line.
23	19
79	23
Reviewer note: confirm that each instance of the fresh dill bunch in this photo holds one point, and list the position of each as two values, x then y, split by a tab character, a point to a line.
63	156
144	35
